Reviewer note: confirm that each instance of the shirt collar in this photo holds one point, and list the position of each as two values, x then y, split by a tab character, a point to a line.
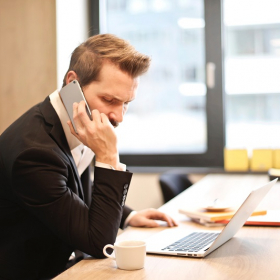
58	106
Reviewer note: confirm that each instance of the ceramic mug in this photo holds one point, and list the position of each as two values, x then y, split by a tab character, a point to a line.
129	255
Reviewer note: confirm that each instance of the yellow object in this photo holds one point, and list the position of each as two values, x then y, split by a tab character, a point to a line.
214	216
236	160
276	159
261	160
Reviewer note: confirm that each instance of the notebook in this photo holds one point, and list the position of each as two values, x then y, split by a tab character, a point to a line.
181	242
214	216
271	218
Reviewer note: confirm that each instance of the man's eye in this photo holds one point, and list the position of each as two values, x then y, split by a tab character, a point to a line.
108	100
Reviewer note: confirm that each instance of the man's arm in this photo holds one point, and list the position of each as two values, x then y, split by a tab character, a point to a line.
87	183
43	181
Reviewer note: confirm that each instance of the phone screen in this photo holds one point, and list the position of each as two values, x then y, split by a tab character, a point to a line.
70	94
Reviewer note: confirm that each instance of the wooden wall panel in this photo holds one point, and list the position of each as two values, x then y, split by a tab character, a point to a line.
27	55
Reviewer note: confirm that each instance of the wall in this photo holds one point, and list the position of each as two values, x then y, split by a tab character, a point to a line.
27	55
144	191
71	30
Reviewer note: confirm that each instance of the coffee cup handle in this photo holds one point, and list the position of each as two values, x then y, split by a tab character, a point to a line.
105	253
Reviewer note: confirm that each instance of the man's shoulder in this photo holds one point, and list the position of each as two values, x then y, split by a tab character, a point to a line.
32	131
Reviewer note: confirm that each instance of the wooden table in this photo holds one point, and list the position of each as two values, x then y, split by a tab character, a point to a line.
253	253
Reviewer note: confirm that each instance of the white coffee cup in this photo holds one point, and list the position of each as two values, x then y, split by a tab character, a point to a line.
129	255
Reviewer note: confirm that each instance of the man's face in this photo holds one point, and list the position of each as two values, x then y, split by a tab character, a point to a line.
112	93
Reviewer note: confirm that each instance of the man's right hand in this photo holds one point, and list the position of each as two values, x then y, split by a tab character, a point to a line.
98	134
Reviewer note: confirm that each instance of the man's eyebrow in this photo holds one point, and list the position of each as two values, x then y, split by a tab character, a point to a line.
115	98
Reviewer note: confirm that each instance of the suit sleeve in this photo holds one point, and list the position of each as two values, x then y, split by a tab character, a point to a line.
126	212
40	181
86	181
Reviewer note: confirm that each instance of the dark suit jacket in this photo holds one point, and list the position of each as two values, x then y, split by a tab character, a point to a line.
45	210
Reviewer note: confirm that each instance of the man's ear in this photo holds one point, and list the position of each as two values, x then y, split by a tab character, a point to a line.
71	76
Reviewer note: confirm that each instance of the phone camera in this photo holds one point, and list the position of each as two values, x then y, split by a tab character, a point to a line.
74	82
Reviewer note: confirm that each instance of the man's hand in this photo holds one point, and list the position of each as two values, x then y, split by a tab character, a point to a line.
98	134
145	218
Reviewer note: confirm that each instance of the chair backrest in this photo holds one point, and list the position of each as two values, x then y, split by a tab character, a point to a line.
172	184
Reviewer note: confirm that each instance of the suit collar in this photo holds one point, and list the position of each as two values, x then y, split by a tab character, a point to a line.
57	133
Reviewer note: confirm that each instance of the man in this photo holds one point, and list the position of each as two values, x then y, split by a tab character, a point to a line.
48	204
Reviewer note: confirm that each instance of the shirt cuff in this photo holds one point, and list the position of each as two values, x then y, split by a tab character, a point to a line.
129	218
108	166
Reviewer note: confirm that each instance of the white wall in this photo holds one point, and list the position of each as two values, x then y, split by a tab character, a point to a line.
144	191
72	30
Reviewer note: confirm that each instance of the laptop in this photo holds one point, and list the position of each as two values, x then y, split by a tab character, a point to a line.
198	244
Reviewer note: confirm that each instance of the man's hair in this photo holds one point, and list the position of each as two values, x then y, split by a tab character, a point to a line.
86	60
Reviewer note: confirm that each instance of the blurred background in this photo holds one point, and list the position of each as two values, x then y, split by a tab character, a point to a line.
213	83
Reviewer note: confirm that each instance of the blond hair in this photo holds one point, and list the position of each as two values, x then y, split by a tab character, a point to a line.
86	60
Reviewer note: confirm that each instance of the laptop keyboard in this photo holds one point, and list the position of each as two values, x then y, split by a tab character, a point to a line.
192	242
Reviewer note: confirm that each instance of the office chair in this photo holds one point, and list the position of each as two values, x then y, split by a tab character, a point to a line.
172	184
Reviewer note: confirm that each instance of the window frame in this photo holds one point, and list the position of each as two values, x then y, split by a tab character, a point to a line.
213	157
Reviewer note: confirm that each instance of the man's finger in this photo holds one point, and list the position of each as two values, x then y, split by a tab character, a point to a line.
168	220
104	119
76	117
83	117
96	116
72	128
174	222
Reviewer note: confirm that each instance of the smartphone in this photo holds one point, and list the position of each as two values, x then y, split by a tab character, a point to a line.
70	94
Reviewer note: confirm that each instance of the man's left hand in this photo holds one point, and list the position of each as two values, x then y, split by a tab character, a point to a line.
147	217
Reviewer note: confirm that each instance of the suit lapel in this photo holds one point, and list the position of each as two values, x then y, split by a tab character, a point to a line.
58	135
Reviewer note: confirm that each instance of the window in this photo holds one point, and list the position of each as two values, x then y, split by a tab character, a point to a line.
170	123
171	98
252	67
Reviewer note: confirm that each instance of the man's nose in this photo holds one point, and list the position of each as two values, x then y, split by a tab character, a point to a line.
117	114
